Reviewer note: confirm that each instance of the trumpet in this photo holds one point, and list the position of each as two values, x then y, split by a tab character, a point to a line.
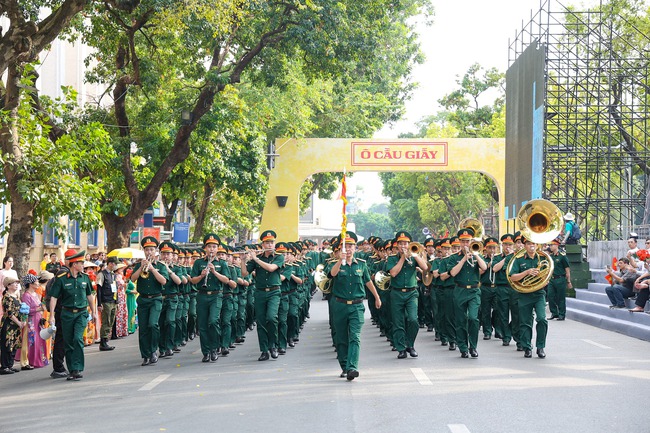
145	271
416	249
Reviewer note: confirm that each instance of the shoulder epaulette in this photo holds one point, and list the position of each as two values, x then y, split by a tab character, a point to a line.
361	260
61	274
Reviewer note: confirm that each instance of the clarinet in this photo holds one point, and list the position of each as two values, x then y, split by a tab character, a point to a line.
205	281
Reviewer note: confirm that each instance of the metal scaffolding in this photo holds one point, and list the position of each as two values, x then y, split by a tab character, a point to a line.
596	136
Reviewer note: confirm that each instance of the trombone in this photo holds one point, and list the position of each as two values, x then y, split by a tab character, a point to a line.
150	262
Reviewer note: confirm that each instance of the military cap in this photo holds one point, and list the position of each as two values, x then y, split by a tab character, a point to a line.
69	253
166	247
446	243
555	241
325	242
182	252
517	236
268	235
297	246
222	249
454	240
211	238
403	236
507	239
429	242
359	243
281	247
149	241
438	244
196	253
465	233
79	257
350	237
491	242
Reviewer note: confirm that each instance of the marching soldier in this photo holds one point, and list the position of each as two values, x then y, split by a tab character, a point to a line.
74	289
350	279
209	274
446	293
404	296
524	266
560	280
228	305
192	328
466	269
428	294
150	276
488	288
167	321
267	267
503	292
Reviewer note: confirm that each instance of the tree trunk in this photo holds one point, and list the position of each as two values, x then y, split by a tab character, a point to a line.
118	230
170	211
200	212
20	239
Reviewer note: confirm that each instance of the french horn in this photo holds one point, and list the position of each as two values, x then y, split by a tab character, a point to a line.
539	221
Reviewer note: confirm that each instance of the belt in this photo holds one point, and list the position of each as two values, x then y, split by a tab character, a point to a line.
475	286
558	276
407	289
157	295
74	310
488	285
349	301
269	289
290	292
211	292
173	295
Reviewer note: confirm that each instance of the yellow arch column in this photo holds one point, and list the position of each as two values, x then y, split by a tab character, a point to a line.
300	158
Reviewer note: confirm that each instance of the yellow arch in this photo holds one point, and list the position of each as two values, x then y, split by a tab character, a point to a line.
300	158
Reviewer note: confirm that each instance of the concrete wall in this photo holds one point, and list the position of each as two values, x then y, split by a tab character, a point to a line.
600	253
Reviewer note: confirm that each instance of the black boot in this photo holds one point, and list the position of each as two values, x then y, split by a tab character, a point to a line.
103	345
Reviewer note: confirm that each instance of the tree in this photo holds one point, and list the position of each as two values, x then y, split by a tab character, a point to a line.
28	122
372	224
158	56
440	201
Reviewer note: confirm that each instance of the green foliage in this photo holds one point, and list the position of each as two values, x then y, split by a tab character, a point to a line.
59	178
440	201
372	224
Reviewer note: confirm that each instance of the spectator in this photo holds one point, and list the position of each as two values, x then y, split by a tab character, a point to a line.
54	265
10	326
632	244
642	284
569	238
121	327
624	287
32	353
44	262
6	271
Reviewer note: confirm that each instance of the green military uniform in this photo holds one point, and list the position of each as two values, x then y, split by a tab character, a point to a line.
348	293
227	309
72	293
283	310
488	292
267	297
529	302
149	306
403	300
445	293
209	301
467	299
167	321
557	286
502	327
183	302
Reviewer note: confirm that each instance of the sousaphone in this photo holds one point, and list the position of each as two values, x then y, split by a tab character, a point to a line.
539	221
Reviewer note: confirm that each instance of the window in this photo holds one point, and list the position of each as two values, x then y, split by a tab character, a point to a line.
92	238
49	235
74	234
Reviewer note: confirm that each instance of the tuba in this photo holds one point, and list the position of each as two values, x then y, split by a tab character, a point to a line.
323	283
474	224
382	280
539	221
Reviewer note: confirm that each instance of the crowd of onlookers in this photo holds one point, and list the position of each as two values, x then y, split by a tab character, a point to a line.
631	279
24	318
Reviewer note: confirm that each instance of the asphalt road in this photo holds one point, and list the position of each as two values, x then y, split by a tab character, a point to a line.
591	381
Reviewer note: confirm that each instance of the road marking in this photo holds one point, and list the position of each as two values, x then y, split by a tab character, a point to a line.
458	428
602	346
421	376
154	383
